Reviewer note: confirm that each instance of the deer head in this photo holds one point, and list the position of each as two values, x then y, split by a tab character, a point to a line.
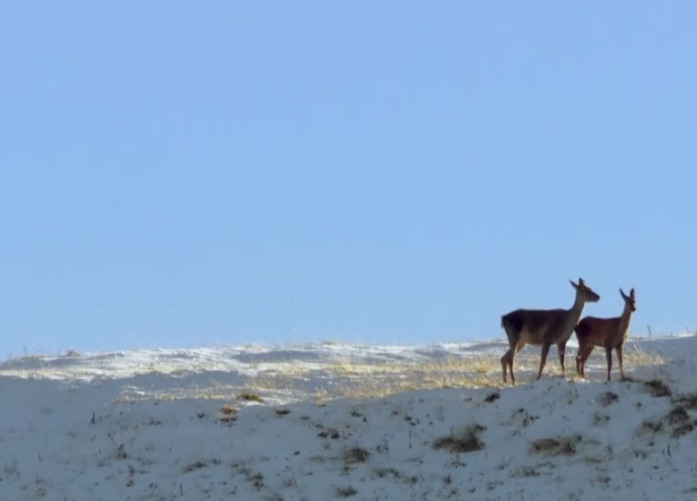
586	292
629	300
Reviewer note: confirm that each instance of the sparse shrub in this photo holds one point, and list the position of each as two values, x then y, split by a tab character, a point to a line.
688	401
121	452
228	409
600	419
492	396
386	472
256	479
228	414
329	433
678	415
196	465
650	427
608	398
355	455
658	388
556	446
682	430
465	440
526	471
346	492
680	420
249	397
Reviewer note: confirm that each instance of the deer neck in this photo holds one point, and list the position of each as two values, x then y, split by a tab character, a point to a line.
625	319
576	310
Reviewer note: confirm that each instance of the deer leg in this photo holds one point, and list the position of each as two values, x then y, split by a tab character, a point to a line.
561	347
543	358
619	361
511	358
608	354
504	364
508	359
583	354
586	356
580	360
515	349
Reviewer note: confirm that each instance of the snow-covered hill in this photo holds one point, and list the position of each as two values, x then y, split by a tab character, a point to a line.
333	421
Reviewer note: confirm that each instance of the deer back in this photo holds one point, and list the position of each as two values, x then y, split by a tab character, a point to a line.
600	331
539	326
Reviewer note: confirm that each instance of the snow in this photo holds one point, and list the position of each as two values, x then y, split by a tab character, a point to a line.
170	424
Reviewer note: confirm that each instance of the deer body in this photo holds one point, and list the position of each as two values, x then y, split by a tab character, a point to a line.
543	327
609	333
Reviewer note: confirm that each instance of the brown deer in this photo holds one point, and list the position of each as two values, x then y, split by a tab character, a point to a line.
609	333
543	327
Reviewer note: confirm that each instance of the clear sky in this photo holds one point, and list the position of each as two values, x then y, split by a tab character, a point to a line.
186	173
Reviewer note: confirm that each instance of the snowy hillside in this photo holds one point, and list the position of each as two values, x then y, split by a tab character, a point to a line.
332	421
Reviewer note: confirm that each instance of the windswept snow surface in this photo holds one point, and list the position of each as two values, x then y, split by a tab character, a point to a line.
169	425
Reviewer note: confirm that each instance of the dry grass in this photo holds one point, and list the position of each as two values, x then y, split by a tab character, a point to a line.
227	414
384	378
250	396
480	371
633	356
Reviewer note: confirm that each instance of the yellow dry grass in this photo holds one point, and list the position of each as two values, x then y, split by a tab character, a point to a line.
380	378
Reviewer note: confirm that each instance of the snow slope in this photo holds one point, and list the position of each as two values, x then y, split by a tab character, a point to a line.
171	424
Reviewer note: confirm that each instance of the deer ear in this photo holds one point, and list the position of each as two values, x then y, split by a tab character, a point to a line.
580	281
572	283
623	294
631	293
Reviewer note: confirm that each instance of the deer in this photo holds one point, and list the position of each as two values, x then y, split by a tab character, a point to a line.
545	328
609	333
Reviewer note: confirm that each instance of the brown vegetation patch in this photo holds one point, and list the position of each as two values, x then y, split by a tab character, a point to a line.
658	388
249	397
197	465
650	427
556	446
329	433
386	472
492	396
466	440
682	430
678	416
228	414
688	401
355	455
346	492
680	420
608	398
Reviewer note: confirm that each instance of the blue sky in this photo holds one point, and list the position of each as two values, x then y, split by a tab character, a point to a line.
181	174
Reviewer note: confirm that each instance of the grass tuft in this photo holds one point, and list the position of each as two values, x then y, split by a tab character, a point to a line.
464	440
249	397
556	446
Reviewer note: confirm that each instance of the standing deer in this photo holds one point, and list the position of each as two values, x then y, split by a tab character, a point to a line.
609	333
543	327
